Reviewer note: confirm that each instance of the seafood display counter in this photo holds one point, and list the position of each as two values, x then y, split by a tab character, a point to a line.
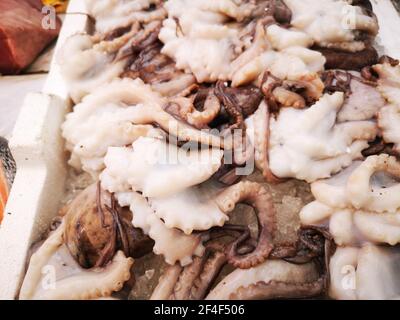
275	211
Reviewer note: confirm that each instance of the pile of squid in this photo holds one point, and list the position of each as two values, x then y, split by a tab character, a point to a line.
236	149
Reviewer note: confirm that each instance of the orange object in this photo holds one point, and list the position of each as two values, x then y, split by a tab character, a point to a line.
60	5
3	191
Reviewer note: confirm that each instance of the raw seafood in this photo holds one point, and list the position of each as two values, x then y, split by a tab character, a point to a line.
308	144
359	204
271	279
88	62
173	244
114	14
370	272
104	119
195	34
96	228
71	281
116	115
332	23
389	116
151	164
260	199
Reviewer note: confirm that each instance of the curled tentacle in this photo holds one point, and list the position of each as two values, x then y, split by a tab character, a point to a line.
186	109
260	199
288	93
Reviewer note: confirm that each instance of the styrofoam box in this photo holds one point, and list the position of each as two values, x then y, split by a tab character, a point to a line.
38	149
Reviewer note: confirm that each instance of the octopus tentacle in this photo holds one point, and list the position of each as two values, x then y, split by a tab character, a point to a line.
187	277
260	199
359	189
258	126
93	284
173	244
278	289
211	269
90	284
211	110
166	283
230	105
185	109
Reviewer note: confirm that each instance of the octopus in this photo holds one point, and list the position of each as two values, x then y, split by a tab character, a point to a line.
87	62
96	228
194	282
187	206
114	14
366	273
158	70
148	63
260	199
174	245
308	144
288	93
151	164
295	63
389	115
258	133
334	24
116	115
269	280
297	272
198	35
64	279
343	32
83	263
239	103
337	59
363	100
360	204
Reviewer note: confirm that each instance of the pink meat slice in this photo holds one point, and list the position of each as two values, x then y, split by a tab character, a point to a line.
22	36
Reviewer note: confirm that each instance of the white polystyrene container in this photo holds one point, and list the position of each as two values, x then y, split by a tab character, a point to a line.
38	149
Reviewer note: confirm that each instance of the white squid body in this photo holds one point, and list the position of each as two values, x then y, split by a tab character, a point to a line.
367	273
308	144
332	23
104	119
172	243
268	271
361	204
113	14
158	169
53	274
389	116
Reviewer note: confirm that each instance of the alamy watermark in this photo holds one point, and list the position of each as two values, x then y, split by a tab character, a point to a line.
49	21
